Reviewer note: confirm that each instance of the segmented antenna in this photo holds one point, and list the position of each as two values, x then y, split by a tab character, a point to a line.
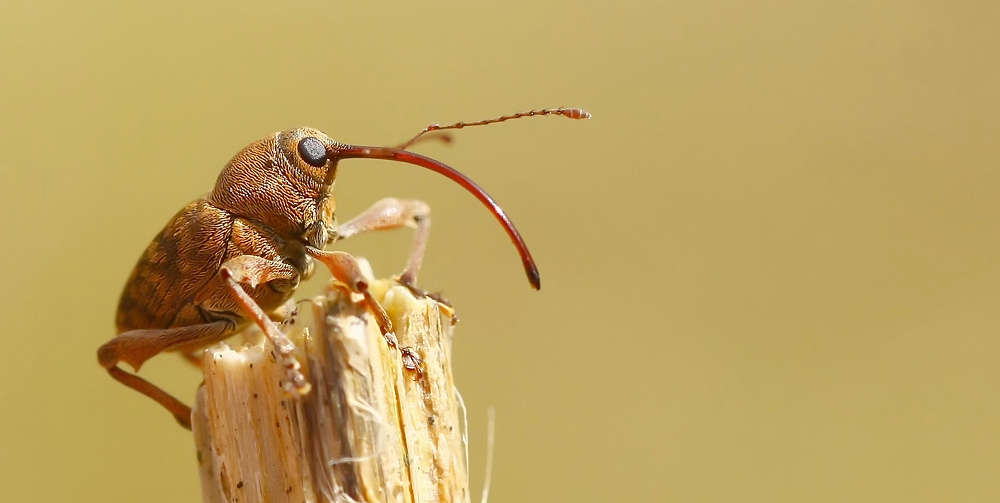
571	113
445	138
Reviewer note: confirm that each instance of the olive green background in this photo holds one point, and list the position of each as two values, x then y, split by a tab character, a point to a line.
769	263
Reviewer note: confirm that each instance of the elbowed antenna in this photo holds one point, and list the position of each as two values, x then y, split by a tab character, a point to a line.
338	151
570	113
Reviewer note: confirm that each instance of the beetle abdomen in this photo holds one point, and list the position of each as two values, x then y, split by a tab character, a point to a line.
182	258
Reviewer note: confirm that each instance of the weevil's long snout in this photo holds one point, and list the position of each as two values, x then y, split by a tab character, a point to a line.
339	151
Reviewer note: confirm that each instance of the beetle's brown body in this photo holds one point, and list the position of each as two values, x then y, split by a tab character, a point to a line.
238	254
176	281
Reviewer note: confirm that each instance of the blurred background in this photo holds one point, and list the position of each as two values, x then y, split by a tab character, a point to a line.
770	261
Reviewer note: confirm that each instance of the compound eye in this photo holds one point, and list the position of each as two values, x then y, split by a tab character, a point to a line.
312	151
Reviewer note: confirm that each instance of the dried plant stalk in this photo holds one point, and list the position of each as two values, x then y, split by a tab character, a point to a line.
370	430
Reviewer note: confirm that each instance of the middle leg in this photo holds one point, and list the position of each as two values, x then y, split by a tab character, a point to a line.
346	270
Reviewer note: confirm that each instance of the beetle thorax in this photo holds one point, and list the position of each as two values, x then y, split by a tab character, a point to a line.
323	226
264	184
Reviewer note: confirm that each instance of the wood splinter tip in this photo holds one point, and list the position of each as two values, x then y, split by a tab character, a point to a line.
382	422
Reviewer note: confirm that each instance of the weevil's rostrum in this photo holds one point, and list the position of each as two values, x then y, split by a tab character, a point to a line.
238	254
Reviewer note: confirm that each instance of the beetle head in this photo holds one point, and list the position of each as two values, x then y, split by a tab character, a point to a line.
283	181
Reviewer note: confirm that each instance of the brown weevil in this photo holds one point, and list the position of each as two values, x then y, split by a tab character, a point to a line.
238	254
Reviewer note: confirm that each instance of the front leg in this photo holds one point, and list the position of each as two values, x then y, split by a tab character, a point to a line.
392	213
253	270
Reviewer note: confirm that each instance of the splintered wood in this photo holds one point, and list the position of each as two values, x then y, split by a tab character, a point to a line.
370	430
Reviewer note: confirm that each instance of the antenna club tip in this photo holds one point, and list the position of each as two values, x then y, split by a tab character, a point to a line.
576	113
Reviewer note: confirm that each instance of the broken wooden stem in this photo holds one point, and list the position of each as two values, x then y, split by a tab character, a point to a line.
370	430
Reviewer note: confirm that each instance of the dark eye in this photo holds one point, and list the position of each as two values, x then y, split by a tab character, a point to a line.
312	151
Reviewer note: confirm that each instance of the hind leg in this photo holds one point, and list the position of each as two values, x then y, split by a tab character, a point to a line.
136	346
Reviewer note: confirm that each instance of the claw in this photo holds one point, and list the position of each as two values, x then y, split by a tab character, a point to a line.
412	361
